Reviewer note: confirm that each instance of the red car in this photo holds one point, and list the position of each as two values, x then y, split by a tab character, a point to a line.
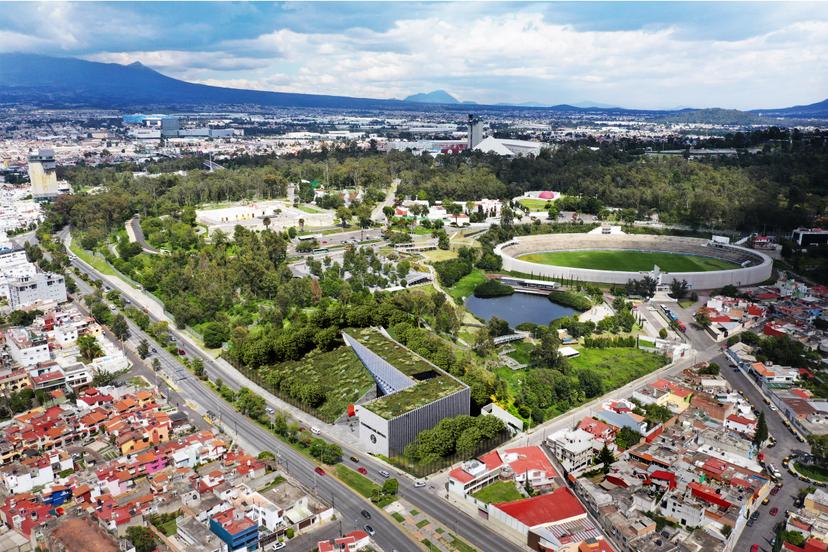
362	470
775	490
319	470
774	511
754	548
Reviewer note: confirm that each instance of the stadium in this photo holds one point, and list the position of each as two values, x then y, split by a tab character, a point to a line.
617	258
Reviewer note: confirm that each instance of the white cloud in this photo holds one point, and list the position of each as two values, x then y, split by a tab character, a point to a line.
520	57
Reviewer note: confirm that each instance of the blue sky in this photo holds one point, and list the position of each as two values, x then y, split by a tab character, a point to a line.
649	55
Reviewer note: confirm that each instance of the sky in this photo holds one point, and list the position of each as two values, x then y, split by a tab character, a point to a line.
738	55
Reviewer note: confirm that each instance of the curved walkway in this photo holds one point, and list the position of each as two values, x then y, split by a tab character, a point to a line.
136	234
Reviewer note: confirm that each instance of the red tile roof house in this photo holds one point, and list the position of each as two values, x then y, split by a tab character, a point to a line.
24	513
548	522
355	540
511	464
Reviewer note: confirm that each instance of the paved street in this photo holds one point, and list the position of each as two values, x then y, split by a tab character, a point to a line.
256	439
763	530
428	500
431	498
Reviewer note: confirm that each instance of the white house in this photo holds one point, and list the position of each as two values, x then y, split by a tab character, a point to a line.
574	448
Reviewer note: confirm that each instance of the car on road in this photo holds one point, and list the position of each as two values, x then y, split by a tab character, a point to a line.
182	352
775	490
385	474
370	530
765	502
754	548
319	470
419	483
315	430
755	515
354	459
153	349
774	511
278	546
366	514
270	410
362	470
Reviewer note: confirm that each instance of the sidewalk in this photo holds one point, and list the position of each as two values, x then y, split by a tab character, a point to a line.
425	530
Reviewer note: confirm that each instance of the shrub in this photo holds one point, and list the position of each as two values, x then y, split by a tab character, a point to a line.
493	288
452	270
570	299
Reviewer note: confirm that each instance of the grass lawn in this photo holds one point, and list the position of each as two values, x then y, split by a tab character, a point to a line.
422	231
356	481
398	516
422	523
817	473
439	255
309	209
501	491
460	545
535	204
465	286
521	352
170	528
618	366
629	261
98	263
686	303
340	374
428	544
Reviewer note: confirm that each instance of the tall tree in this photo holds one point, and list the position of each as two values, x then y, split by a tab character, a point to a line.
606	458
761	434
89	348
120	327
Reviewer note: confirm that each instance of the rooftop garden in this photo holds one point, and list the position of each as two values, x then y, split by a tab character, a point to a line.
325	381
411	398
396	355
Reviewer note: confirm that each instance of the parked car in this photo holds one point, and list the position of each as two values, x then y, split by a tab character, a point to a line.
370	530
754	548
775	490
315	430
362	470
319	470
278	546
385	474
774	511
366	514
765	502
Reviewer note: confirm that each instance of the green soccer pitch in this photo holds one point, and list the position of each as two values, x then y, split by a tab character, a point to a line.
629	261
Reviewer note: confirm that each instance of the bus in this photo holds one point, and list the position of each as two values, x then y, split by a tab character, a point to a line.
309	237
320	251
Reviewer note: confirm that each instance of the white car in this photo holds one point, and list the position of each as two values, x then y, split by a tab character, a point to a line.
419	483
315	430
278	546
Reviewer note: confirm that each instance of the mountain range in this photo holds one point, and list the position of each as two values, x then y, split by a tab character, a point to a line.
47	81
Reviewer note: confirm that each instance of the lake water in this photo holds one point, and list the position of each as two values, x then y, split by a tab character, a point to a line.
518	308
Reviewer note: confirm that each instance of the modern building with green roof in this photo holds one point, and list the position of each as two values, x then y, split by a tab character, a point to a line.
413	394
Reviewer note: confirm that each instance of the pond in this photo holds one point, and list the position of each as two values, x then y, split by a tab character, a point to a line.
518	308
